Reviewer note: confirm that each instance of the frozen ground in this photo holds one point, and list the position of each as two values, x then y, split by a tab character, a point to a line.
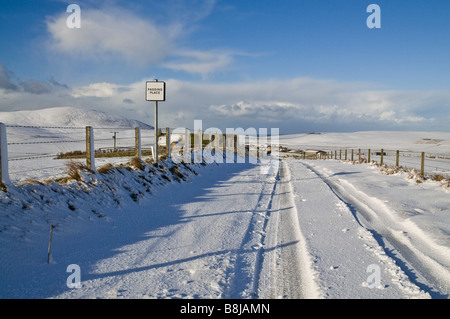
315	229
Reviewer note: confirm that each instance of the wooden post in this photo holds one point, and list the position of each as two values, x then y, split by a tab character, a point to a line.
352	154
50	243
4	173
137	142
345	154
359	155
397	158
335	154
200	139
193	134
422	165
340	154
90	150
187	147
216	142
368	156
381	159
168	142
224	140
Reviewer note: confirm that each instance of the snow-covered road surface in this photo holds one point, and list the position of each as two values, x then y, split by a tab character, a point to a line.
231	232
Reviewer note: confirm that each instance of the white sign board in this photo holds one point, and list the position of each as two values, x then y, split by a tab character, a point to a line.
155	91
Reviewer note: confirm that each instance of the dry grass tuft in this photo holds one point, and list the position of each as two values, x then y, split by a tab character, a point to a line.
136	162
74	169
108	168
437	177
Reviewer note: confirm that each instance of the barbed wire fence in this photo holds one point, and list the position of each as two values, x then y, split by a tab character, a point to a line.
424	162
42	151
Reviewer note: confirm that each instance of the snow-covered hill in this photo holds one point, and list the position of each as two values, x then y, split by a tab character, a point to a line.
68	116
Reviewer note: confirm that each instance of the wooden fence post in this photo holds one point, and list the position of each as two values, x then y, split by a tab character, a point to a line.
397	155
368	156
345	154
422	165
168	142
4	173
137	142
359	155
90	150
199	139
224	142
216	142
187	146
381	159
352	154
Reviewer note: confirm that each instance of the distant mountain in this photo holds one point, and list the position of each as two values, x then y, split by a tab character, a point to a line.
69	116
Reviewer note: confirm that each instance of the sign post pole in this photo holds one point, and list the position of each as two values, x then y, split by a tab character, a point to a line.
155	91
156	132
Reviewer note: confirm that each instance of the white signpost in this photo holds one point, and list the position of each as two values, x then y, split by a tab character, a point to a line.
155	91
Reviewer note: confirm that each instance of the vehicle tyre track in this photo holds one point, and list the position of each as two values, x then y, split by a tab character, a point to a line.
286	271
370	213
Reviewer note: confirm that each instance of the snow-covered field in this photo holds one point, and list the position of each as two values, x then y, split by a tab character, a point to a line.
312	229
435	145
316	229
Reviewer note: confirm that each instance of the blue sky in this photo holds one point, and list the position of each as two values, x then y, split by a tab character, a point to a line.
300	65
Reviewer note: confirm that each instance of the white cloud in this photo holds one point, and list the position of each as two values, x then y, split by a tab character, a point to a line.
295	105
112	33
200	62
99	90
115	34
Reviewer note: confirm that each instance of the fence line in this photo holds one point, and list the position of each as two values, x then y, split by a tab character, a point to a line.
88	152
397	158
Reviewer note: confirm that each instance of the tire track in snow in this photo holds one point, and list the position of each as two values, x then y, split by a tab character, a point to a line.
377	218
287	271
249	261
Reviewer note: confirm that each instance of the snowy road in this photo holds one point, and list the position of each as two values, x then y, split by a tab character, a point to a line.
232	232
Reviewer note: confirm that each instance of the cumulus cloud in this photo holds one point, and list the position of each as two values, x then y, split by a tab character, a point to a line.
111	33
295	105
